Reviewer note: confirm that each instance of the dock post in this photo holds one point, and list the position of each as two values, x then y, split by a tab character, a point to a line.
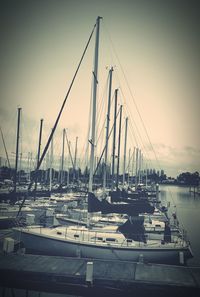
157	191
8	245
181	258
141	258
89	273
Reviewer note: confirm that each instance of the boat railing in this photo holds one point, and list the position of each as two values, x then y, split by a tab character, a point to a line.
110	240
99	237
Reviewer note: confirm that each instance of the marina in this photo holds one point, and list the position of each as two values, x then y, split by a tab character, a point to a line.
67	275
86	208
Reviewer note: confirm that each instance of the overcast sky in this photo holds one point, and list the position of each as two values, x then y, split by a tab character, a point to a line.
154	46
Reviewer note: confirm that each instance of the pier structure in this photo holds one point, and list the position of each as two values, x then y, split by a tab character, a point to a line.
89	277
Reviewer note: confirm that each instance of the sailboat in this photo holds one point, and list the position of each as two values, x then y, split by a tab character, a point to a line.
107	242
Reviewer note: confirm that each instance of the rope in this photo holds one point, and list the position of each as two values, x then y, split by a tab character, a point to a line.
58	117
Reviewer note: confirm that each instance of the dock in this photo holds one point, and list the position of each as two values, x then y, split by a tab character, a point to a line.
89	277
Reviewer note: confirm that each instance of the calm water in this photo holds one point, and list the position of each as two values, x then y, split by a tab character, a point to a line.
188	212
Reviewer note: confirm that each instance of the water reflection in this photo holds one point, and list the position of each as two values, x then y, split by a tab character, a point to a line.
187	207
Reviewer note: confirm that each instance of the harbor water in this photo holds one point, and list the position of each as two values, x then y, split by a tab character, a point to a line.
187	207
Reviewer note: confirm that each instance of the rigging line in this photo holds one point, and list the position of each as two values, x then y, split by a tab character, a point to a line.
101	104
105	144
129	113
144	127
66	97
5	148
131	129
58	117
10	134
130	161
85	147
100	126
101	133
25	133
137	130
100	114
69	149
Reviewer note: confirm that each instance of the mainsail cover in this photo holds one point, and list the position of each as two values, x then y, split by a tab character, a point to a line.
134	229
132	209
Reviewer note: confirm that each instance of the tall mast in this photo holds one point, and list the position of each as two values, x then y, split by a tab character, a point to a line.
30	165
136	169
70	155
95	82
139	168
51	165
133	163
40	139
62	159
38	156
17	150
125	141
114	136
68	162
146	177
119	142
75	157
28	162
107	128
20	167
129	162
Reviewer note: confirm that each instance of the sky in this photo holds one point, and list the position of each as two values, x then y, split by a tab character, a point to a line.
154	47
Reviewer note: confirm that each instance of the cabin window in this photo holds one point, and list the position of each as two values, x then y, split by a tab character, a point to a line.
157	226
76	236
110	239
129	240
59	233
97	238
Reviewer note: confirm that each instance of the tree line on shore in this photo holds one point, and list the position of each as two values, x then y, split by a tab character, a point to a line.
151	175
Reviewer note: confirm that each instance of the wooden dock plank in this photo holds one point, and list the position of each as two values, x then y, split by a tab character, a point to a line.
169	275
61	274
114	270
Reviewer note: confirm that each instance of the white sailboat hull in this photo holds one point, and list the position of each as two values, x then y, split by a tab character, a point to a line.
43	244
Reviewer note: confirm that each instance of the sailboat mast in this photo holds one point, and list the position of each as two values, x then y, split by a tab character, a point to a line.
107	128
114	136
119	142
62	159
125	141
139	167
129	161
133	164
38	156
17	150
40	139
136	169
95	82
146	177
51	165
75	157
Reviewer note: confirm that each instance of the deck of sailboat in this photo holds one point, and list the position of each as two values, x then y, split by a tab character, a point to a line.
102	237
